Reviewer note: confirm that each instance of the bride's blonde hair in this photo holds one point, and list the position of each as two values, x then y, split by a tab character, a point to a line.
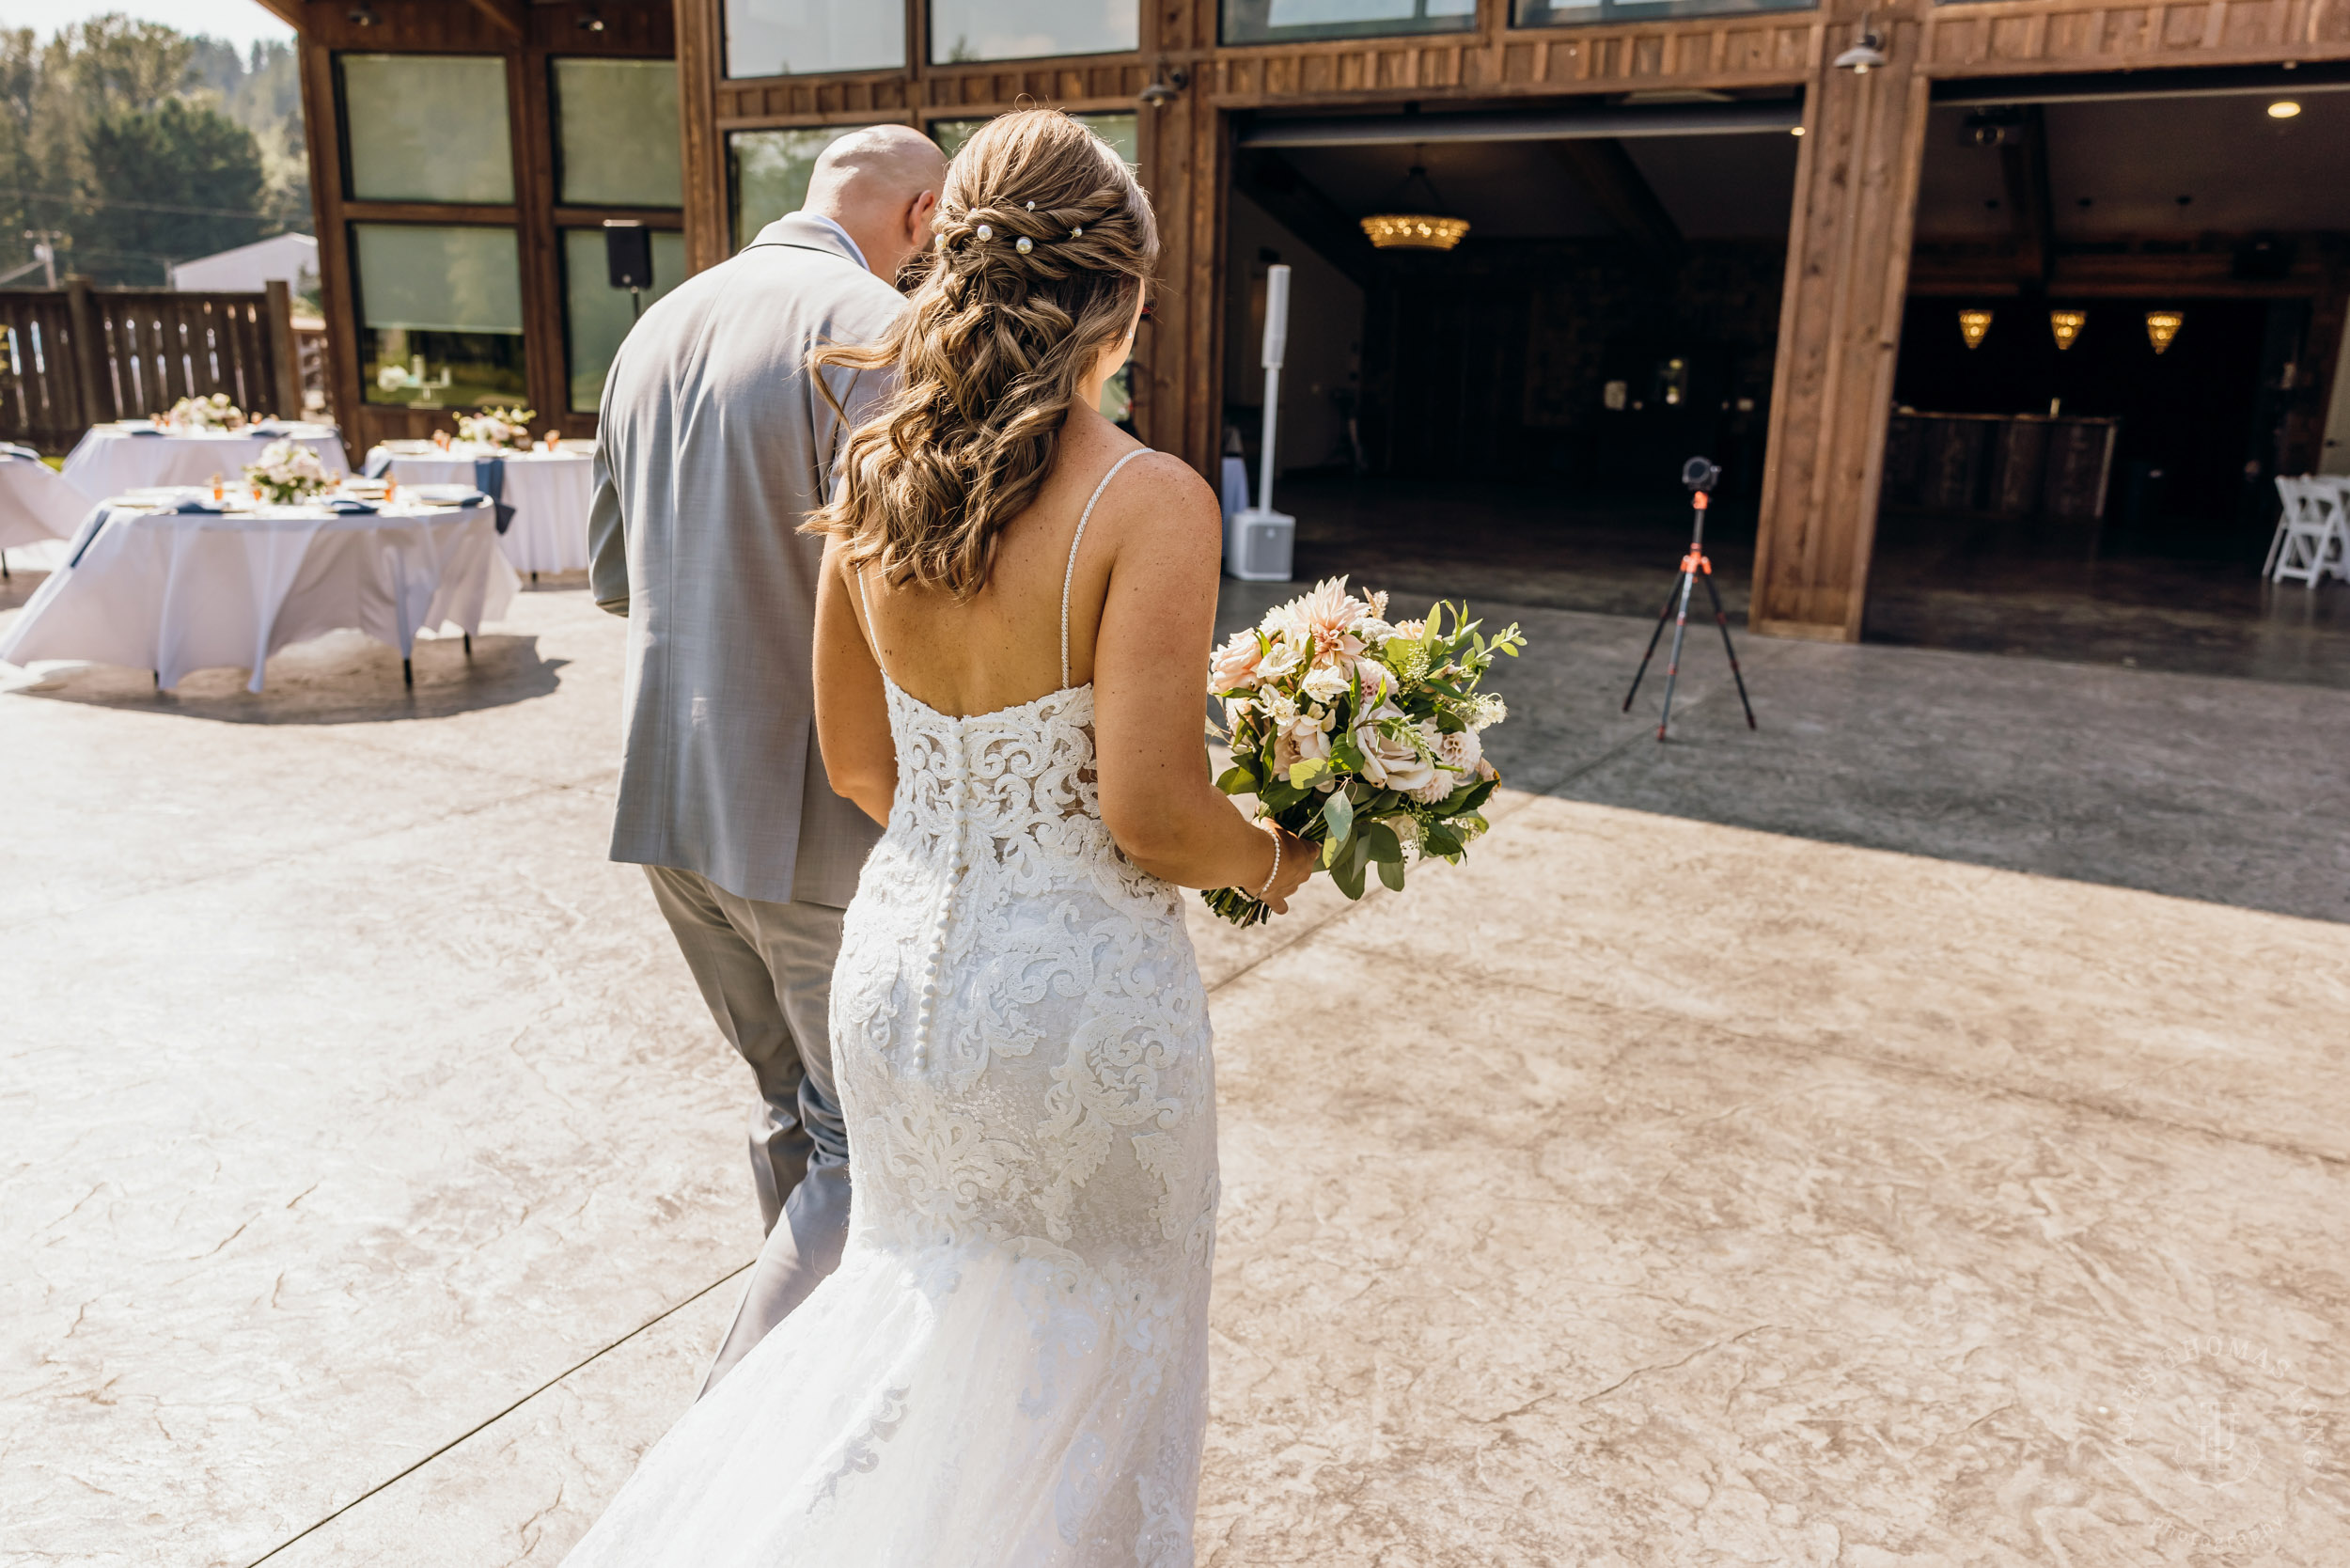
1043	242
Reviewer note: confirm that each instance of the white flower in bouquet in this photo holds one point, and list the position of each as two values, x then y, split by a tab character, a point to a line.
1359	734
288	472
215	412
497	426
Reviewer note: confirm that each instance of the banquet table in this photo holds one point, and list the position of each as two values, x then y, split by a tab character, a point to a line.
550	493
34	503
175	592
110	459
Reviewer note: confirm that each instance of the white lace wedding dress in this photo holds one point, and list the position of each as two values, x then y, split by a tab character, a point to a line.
1010	1367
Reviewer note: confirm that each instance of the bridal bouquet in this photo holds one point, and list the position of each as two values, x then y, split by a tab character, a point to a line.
215	412
1357	734
497	426
288	472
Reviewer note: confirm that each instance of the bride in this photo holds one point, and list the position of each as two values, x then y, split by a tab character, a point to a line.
1010	1367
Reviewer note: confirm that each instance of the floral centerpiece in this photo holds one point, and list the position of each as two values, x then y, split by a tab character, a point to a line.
288	472
497	426
215	412
1357	734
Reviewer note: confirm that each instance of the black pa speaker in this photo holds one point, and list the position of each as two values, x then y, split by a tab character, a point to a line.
628	255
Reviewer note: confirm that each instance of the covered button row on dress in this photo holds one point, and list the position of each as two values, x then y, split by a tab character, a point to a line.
927	1012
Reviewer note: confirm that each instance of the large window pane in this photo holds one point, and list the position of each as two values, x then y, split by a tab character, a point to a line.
440	315
427	128
1566	13
1119	129
795	37
1283	20
596	316
1023	29
617	134
770	170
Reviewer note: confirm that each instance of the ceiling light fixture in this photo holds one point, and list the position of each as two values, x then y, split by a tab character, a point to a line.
2284	108
2066	326
1795	130
1974	326
2162	328
1405	230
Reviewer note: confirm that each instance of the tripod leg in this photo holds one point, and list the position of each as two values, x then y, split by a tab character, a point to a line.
1661	616
1672	666
1723	621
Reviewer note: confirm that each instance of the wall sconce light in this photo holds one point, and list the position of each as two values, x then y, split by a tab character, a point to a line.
2066	325
363	15
2162	326
1867	53
591	21
1974	326
1165	86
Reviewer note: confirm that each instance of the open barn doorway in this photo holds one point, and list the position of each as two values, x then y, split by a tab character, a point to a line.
2124	322
1508	418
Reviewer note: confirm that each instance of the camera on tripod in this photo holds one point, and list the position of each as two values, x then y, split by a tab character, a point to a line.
1700	476
1701	473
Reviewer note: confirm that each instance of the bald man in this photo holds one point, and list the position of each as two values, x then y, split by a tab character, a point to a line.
715	445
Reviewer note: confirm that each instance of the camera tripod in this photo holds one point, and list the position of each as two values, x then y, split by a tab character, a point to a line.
1700	476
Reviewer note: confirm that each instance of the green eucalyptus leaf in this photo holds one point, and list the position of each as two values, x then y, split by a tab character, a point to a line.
1305	773
1338	812
1436	839
1383	845
1391	873
1348	874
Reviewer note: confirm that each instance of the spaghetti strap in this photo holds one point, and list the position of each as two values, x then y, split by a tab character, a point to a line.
1069	572
872	627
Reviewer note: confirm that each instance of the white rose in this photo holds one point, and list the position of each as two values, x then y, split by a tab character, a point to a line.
1392	763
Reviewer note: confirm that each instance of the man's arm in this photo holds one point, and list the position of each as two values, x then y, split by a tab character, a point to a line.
607	530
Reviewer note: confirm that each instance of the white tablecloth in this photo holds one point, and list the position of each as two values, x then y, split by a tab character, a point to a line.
107	461
174	593
550	493
34	503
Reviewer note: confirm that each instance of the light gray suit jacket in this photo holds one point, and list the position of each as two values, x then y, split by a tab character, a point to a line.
715	443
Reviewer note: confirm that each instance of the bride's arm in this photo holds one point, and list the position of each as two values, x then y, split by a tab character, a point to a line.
851	712
1150	691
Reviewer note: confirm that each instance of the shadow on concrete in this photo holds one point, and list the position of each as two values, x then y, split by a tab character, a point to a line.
2232	791
342	677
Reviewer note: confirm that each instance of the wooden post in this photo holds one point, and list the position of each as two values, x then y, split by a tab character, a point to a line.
89	355
699	147
1838	333
285	363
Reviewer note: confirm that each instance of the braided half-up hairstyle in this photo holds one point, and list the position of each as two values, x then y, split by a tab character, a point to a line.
1043	242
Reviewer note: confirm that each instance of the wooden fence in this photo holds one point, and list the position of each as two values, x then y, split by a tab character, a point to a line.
77	356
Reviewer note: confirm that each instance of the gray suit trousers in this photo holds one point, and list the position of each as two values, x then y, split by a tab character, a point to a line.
765	969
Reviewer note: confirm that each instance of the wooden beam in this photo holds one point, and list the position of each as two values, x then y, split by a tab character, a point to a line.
2024	169
293	13
1624	195
700	146
507	15
1840	327
1273	182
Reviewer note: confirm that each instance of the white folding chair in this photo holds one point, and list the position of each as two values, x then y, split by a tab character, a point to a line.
2312	538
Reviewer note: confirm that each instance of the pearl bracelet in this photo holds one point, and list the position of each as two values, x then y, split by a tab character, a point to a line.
1273	874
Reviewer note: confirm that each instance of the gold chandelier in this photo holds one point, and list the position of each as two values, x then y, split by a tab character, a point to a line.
1405	230
1974	326
2162	328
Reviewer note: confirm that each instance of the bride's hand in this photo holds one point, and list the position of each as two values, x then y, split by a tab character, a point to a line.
1298	860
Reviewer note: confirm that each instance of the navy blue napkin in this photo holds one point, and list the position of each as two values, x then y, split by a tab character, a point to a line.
378	465
138	429
350	505
12	450
489	477
95	524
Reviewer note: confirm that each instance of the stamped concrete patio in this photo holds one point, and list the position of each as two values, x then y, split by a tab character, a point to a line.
1914	1132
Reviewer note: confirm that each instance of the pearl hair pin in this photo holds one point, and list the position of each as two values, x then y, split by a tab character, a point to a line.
1023	245
985	232
1078	232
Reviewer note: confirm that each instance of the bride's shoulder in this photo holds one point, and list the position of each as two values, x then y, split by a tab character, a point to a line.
1158	496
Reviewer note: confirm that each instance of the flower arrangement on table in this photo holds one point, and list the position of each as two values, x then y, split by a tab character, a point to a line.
215	412
288	472
506	428
1359	735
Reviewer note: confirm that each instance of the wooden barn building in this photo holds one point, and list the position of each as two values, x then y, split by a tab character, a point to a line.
2067	274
